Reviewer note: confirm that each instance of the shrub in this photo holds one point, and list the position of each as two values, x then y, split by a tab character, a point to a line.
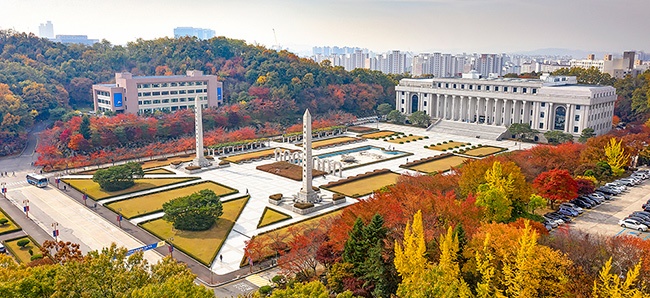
425	146
191	168
276	197
314	188
451	141
184	156
162	159
426	137
209	157
480	145
408	141
338	196
265	290
223	162
31	252
410	134
3	221
118	177
438	144
36	257
23	242
196	212
401	142
278	280
176	162
303	205
445	142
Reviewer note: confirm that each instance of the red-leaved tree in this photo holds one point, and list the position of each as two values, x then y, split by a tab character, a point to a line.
556	185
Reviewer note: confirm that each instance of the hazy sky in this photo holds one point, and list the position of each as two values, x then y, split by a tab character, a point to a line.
379	25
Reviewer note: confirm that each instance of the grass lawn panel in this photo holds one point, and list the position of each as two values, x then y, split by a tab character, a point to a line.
404	139
483	151
288	170
379	134
271	216
150	164
365	186
439	165
252	155
150	203
329	142
22	254
94	192
201	245
10	226
449	145
159	171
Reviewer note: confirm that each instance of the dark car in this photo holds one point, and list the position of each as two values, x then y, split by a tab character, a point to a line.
606	196
568	211
583	203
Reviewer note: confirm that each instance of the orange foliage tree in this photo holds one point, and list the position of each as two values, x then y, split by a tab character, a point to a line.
556	185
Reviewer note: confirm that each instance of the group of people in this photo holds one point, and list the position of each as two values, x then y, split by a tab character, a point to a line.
5	174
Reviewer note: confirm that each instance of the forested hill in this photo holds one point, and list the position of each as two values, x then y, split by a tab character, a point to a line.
45	79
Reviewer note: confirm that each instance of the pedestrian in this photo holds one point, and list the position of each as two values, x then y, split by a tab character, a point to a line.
247	191
41	171
65	188
407	160
221	258
13	173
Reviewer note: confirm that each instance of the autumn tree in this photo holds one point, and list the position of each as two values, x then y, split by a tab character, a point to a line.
536	201
556	185
410	260
616	156
494	195
611	285
587	133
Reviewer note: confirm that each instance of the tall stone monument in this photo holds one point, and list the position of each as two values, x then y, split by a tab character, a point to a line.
199	160
306	194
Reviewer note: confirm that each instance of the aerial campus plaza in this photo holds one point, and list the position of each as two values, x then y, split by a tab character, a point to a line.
260	187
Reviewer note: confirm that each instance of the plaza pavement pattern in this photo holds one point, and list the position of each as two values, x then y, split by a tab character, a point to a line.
83	225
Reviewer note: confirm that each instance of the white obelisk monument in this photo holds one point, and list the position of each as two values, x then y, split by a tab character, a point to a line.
198	127
306	194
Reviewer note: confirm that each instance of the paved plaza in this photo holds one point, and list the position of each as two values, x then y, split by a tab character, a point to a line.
83	225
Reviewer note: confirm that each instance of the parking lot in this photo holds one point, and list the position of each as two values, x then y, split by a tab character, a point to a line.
604	219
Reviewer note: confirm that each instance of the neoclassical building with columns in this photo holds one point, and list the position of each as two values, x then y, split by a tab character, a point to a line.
548	103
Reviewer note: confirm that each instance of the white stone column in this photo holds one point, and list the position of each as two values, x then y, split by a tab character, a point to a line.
453	108
198	130
549	123
307	194
568	121
438	111
444	106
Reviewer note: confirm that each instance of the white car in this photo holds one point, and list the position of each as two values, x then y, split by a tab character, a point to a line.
632	224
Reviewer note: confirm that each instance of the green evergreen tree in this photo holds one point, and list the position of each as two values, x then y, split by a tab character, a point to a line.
355	247
84	127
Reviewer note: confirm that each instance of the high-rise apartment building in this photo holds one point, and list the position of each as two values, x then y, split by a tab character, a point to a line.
199	33
80	39
46	30
147	94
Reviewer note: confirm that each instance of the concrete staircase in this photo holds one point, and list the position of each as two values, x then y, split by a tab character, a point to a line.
481	131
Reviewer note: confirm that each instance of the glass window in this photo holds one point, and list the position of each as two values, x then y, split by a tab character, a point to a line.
496	88
524	90
174	99
156	101
155	93
541	115
541	125
478	87
577	117
471	87
174	84
487	88
575	129
577	107
165	100
165	93
505	89
514	89
534	91
425	103
543	104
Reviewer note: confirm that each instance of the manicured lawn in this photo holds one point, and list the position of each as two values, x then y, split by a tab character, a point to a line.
252	155
287	170
151	203
483	151
9	226
203	245
151	163
439	165
271	216
379	134
94	192
449	145
22	254
364	186
332	141
406	138
159	171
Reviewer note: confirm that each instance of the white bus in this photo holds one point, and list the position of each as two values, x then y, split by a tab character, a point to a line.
37	180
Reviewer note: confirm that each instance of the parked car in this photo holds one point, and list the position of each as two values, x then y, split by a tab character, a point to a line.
571	205
568	211
3	250
640	220
592	200
596	198
604	195
642	212
555	217
640	215
581	203
632	224
608	190
563	217
552	223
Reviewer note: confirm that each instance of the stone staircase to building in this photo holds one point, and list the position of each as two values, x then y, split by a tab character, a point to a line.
481	131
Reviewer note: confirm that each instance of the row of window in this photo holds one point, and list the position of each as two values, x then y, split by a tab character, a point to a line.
104	93
167	109
104	101
168	100
172	84
509	89
172	92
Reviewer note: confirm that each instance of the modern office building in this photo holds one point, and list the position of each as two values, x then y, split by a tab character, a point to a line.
199	33
46	30
548	103
147	94
82	39
616	67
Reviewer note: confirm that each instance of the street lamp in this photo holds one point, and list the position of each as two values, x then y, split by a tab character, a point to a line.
26	208
55	231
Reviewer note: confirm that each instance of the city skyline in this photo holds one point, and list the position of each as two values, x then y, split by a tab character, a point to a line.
418	26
